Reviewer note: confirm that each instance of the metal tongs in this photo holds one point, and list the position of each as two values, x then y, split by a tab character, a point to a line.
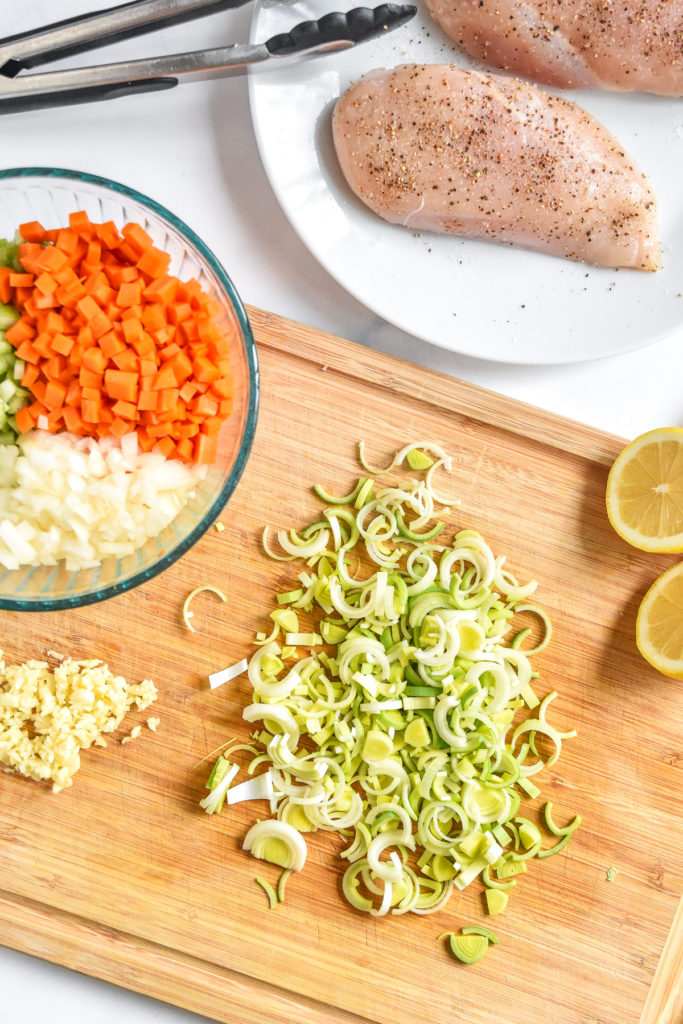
329	34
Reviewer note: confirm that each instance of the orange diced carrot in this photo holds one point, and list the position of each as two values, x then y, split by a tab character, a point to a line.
25	420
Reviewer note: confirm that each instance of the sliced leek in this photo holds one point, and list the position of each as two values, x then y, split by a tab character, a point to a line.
400	710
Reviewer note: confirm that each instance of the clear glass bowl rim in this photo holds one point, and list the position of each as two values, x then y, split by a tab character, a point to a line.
101	594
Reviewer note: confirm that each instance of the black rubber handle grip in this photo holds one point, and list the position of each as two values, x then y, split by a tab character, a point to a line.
84	94
356	26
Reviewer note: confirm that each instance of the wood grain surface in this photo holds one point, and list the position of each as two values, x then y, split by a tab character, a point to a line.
124	877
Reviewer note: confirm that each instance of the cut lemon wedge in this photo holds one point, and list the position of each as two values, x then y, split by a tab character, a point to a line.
659	626
645	491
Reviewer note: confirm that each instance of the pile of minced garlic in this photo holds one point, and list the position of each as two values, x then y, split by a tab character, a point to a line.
49	714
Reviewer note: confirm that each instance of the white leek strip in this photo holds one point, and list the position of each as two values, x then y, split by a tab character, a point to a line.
277	842
387	899
446	501
376	707
427	905
226	675
389	871
213	799
508	585
258	788
276	689
277	715
304	550
547	626
396	811
375	470
187	614
420	555
269	551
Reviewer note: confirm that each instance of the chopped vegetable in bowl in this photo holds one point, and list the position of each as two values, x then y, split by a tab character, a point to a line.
121	327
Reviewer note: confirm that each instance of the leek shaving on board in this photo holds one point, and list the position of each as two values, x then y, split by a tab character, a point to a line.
187	613
394	701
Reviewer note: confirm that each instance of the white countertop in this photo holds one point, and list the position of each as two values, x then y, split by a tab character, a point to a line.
193	150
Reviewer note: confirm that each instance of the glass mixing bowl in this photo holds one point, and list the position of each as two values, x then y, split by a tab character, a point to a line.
49	195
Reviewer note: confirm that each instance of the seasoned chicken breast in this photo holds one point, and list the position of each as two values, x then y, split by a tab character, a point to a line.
491	157
633	45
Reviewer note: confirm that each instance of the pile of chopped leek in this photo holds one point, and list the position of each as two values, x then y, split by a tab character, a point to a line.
394	702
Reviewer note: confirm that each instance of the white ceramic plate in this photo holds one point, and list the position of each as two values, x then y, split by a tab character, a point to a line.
471	297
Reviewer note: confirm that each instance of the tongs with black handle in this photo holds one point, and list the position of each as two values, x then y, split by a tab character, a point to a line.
329	34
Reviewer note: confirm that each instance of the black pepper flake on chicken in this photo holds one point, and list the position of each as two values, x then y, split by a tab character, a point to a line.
633	45
491	157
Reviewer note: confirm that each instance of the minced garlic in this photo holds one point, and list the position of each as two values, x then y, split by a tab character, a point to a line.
47	715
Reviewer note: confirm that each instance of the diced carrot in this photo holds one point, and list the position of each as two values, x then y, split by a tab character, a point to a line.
100	324
50	258
73	421
136	236
55	393
121	384
108	234
147	400
90	410
63	343
204	406
119	427
95	359
164	377
125	410
73	394
27	352
126	360
154	317
167	400
89	379
5	286
88	308
32	231
19	331
162	289
82	225
109	343
25	420
30	375
153	262
67	241
205	370
179	311
205	449
132	331
129	293
166	446
18	280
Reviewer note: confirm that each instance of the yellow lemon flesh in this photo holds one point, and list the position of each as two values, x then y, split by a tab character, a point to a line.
645	491
659	626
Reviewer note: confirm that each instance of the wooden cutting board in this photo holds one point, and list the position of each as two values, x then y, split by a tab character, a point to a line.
124	877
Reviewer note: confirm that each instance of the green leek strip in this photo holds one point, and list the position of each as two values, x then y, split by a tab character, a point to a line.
282	881
389	716
493	883
552	850
269	891
555	829
476	929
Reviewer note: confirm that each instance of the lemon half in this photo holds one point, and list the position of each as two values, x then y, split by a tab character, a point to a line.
645	491
659	625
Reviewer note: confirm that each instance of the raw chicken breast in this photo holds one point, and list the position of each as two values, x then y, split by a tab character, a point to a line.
631	45
435	147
